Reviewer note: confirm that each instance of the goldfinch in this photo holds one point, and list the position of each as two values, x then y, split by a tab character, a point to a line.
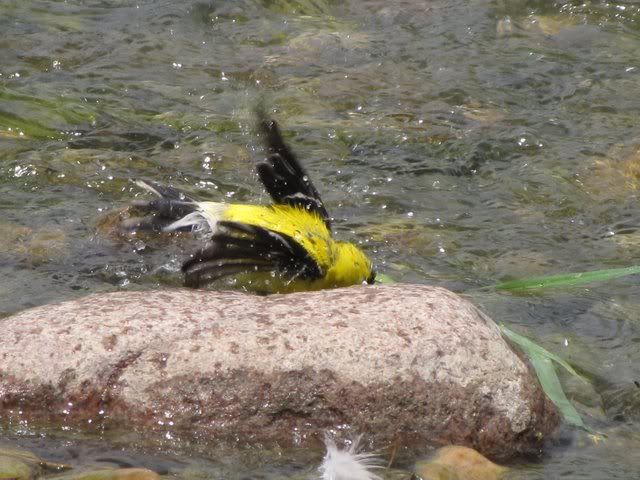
279	248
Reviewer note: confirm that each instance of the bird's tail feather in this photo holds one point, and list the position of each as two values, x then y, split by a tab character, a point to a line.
165	193
171	211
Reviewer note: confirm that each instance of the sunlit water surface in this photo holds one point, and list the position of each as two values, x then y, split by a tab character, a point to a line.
462	142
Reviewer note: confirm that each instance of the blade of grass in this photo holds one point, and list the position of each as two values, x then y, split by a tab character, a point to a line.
542	362
533	349
553	389
567	279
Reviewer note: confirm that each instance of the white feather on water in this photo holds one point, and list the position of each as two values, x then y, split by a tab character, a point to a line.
347	464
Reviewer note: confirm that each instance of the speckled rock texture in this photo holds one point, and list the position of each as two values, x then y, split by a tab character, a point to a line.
405	364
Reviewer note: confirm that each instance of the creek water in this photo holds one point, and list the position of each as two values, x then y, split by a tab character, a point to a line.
462	143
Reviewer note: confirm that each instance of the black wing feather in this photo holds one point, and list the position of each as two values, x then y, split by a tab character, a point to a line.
208	272
283	176
238	247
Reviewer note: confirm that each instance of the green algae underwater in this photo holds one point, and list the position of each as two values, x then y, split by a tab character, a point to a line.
463	144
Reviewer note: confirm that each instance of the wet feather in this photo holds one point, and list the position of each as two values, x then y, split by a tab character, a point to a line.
348	464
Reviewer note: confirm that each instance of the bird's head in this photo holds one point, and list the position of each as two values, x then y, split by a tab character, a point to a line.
351	266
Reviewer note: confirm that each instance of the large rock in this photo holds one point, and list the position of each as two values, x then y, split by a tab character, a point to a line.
411	364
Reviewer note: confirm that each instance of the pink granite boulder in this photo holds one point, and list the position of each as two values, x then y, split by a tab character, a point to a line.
411	364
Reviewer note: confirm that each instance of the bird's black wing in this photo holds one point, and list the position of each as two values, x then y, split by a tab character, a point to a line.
283	176
240	248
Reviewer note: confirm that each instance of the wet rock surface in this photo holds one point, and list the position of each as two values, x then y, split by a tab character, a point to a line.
415	365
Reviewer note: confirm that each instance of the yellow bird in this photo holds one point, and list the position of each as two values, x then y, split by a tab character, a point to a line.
279	248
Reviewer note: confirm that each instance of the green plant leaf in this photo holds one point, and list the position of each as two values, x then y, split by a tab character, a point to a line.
567	279
382	278
531	349
550	382
542	362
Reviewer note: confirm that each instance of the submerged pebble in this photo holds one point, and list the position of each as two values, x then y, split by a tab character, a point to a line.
18	465
33	246
459	463
21	464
